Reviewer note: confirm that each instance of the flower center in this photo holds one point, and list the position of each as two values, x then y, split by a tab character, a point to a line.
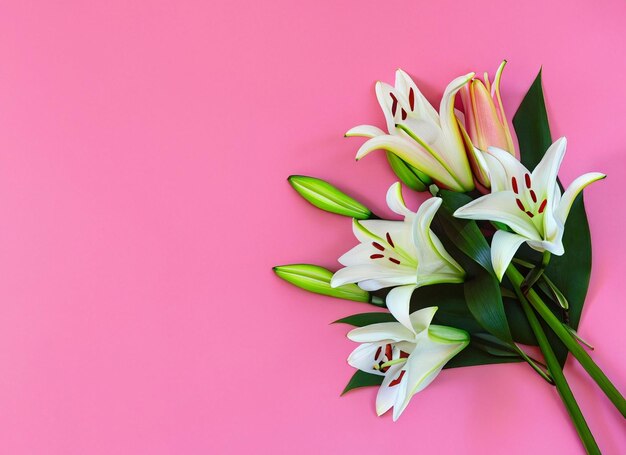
382	249
525	194
383	358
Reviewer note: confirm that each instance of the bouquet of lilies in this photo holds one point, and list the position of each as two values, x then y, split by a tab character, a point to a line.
498	256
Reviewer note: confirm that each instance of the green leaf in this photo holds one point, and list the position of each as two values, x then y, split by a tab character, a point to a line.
472	355
465	234
570	272
482	289
363	319
531	125
316	279
362	379
410	176
325	196
484	300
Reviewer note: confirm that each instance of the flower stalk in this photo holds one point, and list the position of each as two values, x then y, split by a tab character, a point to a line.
557	375
570	342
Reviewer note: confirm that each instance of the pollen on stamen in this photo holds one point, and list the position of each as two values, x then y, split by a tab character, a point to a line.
378	246
398	380
394	260
404	114
530	214
514	185
528	182
394	106
376	256
533	196
411	98
520	205
542	207
390	241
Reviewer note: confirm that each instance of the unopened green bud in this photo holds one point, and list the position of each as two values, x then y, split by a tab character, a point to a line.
410	176
316	279
326	197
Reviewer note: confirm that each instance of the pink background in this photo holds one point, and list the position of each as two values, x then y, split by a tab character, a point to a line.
144	148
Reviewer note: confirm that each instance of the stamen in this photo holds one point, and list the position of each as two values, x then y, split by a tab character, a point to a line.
398	380
520	205
378	246
394	260
394	106
390	241
404	114
378	352
376	256
514	184
404	355
533	196
542	207
528	183
530	214
388	351
411	98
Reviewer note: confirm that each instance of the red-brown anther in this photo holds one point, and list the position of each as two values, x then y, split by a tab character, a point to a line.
388	352
394	106
378	352
542	207
520	205
394	260
533	196
527	178
378	246
404	355
530	214
376	256
404	114
514	185
411	98
398	380
390	241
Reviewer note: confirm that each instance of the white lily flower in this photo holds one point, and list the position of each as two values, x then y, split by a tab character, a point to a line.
406	254
410	355
531	204
430	142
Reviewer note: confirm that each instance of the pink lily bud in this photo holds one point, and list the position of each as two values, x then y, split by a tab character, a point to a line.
485	120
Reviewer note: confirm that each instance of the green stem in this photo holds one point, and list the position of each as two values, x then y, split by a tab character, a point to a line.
570	342
559	378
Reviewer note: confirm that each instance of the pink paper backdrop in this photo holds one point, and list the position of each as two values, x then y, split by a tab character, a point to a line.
144	148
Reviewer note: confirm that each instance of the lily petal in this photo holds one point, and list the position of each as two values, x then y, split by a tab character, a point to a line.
383	331
398	302
365	131
547	170
572	191
395	201
503	248
433	261
500	206
425	363
421	319
394	236
370	273
495	93
364	358
454	149
391	391
413	154
421	107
